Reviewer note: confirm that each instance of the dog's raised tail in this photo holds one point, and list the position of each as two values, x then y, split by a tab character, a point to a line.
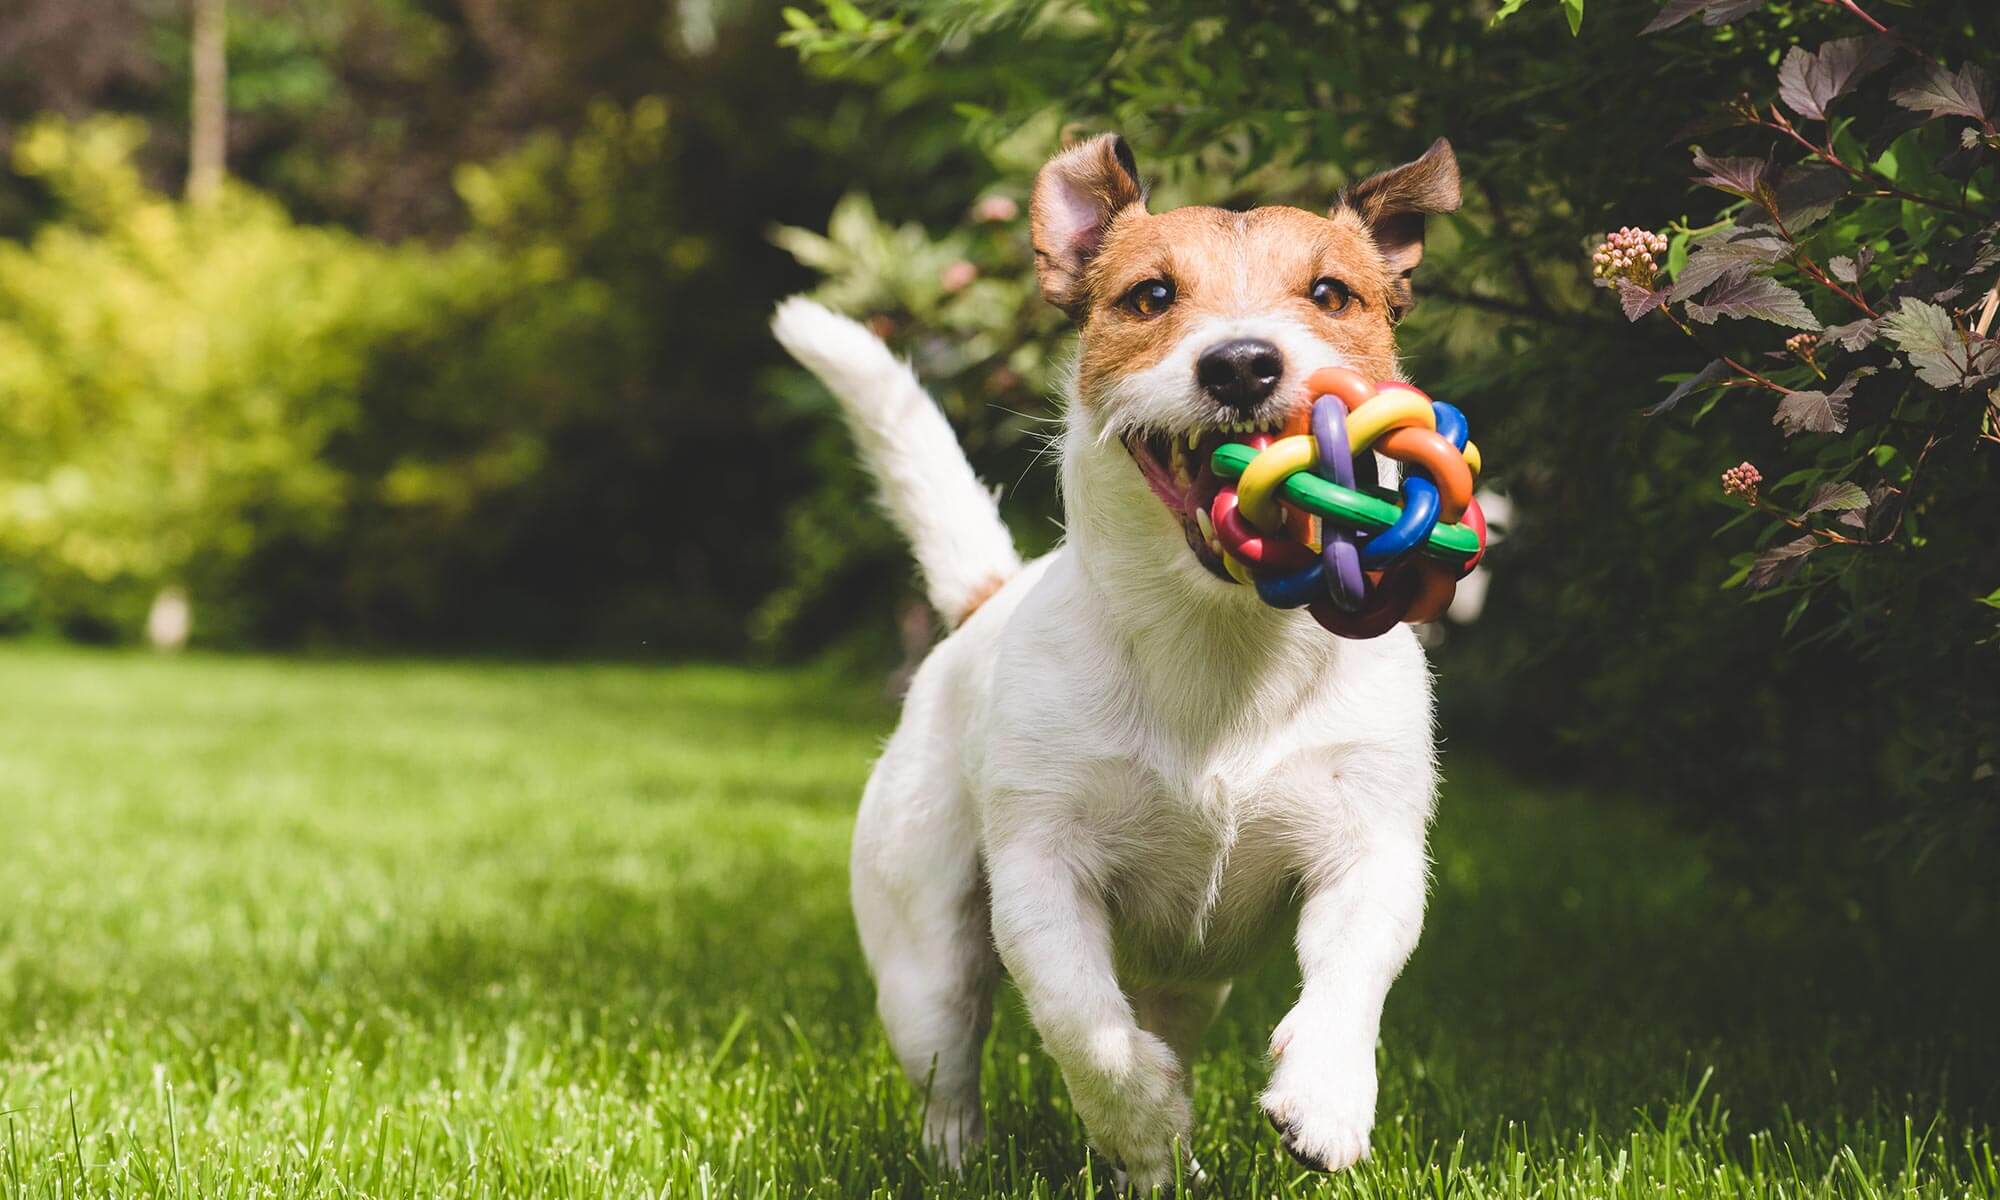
922	478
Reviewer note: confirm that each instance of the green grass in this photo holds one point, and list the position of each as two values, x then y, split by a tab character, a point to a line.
278	928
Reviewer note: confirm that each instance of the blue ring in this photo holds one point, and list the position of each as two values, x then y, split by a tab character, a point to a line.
1295	590
1451	424
1420	515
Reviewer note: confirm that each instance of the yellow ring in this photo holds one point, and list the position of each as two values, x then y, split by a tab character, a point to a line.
1390	408
1471	453
1257	490
1236	569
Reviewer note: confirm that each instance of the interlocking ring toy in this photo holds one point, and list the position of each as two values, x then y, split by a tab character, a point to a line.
1305	525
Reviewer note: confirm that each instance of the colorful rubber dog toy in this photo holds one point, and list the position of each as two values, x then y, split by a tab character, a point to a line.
1299	528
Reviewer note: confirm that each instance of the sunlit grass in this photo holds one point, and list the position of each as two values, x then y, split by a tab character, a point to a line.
273	928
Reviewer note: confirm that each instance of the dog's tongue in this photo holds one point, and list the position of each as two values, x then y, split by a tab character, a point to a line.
1161	480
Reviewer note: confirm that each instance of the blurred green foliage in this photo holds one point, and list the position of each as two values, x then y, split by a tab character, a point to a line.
472	354
481	321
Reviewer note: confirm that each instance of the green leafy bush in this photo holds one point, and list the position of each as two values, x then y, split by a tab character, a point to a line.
1610	648
173	375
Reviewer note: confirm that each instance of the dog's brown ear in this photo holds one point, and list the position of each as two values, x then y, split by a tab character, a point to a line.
1077	194
1393	204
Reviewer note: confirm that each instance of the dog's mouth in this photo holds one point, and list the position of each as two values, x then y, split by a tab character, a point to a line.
1176	466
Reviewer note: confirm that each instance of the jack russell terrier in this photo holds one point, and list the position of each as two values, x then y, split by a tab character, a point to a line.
1123	773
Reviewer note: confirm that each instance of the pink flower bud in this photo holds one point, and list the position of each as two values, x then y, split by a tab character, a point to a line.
958	276
996	208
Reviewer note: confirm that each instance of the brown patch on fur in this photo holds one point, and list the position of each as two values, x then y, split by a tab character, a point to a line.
980	595
1393	202
1258	263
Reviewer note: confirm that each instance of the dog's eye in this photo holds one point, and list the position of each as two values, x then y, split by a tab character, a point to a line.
1331	294
1150	297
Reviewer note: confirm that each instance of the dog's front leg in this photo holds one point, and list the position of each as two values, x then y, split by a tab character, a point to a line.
1054	935
1356	929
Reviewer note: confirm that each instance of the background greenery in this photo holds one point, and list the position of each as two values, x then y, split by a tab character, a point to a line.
470	353
468	356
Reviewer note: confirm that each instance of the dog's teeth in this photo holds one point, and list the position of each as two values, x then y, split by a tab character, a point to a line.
1194	439
1201	518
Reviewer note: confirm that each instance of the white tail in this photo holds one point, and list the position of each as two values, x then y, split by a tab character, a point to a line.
923	480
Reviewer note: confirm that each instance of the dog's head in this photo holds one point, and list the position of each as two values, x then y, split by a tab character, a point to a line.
1200	322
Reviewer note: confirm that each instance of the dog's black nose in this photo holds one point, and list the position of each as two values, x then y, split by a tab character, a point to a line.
1239	373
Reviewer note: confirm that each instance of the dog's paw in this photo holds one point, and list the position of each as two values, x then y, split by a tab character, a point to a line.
1321	1099
1128	1092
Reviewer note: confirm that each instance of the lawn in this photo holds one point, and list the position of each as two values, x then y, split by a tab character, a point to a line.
417	929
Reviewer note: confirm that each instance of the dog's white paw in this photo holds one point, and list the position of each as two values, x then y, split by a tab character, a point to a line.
1321	1099
1133	1107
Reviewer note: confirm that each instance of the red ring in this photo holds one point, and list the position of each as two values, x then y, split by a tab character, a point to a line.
1436	585
1392	593
1256	550
1475	516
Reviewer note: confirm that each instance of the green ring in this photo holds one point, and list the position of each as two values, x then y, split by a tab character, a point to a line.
1370	512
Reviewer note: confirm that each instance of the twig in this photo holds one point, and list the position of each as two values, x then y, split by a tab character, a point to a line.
1826	154
1749	377
1811	268
1801	523
1854	8
1985	321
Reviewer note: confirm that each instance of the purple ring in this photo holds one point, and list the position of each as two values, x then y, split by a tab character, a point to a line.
1345	583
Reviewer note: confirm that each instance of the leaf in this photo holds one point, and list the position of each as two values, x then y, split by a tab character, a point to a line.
1855	335
1638	301
1843	268
1817	412
1758	297
1944	355
1937	91
1573	9
1707	375
1712	260
1722	12
1780	563
1673	14
1507	9
1739	175
1804	194
1837	497
1808	81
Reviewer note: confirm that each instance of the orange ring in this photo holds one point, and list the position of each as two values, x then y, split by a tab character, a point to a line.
1440	460
1350	387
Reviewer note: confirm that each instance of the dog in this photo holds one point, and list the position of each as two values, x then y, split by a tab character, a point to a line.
1122	774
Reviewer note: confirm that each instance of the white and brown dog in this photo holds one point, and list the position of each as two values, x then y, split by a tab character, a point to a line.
1123	772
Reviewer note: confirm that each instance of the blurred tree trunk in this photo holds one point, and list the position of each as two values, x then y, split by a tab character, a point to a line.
209	113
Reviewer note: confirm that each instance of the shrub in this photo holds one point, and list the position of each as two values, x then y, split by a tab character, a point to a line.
1611	648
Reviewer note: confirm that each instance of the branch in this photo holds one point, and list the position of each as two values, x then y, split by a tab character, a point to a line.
1571	320
1854	8
1783	124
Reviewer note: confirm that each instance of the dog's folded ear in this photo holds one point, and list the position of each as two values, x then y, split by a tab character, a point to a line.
1077	194
1393	204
